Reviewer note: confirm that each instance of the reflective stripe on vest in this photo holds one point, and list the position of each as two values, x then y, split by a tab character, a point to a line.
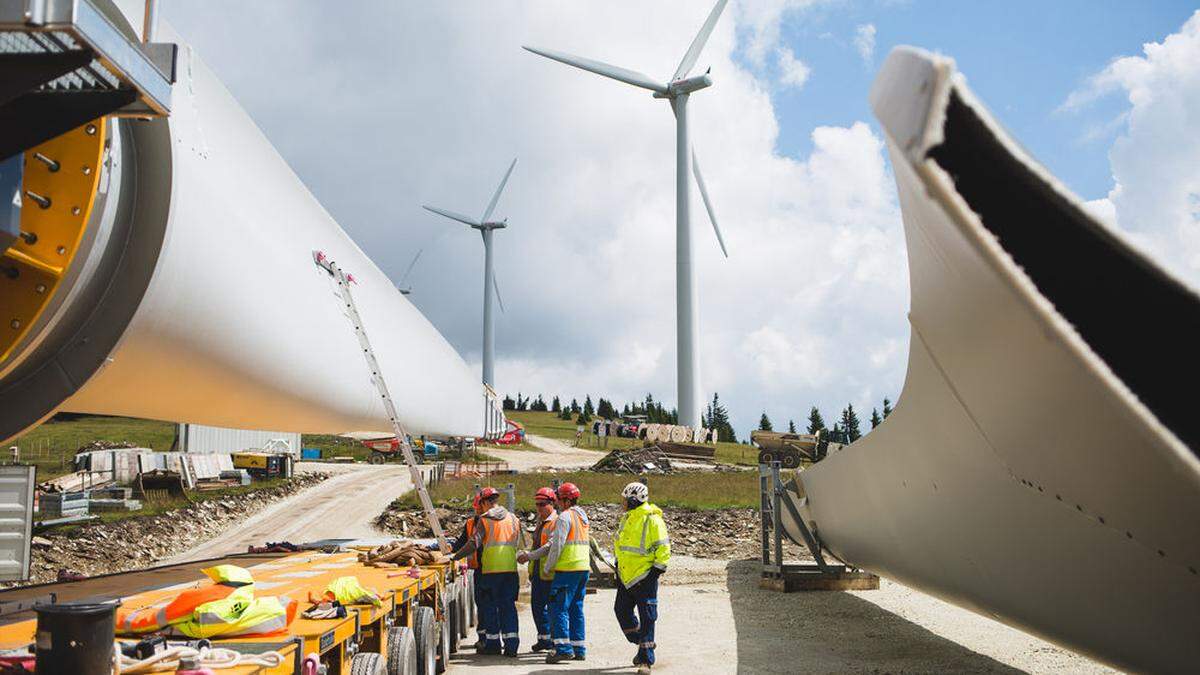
500	544
575	556
543	537
159	616
226	618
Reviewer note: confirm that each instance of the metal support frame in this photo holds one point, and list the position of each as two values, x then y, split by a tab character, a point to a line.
779	575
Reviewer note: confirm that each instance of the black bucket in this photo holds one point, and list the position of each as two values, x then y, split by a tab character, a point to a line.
75	637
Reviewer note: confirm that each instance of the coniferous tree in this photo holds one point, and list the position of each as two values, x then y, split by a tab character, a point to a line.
850	423
509	403
555	405
887	408
581	419
588	408
565	413
791	426
575	409
764	423
605	409
815	421
718	418
876	420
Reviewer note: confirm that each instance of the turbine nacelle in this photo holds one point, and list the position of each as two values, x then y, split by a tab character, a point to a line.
685	87
494	225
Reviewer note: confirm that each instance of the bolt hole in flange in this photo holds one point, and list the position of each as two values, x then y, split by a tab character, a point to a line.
36	262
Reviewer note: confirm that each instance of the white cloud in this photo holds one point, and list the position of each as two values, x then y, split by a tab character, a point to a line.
1156	160
760	21
864	42
792	71
430	102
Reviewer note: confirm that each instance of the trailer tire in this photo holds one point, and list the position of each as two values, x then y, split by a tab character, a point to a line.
453	617
464	609
443	645
402	651
376	458
472	611
368	663
790	460
425	626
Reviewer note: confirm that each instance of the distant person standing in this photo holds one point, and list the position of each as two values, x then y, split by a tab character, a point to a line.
643	551
568	553
578	434
495	538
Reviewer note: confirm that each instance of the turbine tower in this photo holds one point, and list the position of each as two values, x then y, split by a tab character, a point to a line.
676	91
486	227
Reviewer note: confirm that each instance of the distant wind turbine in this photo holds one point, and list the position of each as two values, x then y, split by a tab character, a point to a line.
676	92
490	288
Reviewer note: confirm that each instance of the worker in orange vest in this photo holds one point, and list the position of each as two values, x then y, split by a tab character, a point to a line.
495	538
456	545
540	575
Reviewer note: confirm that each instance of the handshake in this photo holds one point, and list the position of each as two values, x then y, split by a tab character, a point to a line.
522	557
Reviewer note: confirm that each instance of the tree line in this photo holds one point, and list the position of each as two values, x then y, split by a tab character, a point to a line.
847	425
603	408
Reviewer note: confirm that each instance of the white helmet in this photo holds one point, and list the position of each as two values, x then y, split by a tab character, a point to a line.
638	492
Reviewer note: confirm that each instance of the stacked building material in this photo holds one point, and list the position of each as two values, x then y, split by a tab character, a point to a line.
401	553
650	459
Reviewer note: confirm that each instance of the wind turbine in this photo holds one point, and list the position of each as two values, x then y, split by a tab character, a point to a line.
486	227
676	91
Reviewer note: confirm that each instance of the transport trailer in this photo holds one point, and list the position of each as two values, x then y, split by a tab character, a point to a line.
424	612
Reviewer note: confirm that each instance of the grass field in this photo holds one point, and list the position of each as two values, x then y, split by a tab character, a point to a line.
52	446
548	425
697	490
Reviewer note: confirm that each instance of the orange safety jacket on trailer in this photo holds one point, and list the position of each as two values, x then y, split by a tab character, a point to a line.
228	579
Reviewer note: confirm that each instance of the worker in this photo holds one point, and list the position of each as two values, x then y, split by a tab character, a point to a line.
456	545
495	538
539	575
643	551
567	553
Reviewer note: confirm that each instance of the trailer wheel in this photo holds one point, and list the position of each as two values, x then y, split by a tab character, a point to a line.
376	458
443	646
472	611
453	617
426	641
766	457
402	651
464	607
790	461
368	663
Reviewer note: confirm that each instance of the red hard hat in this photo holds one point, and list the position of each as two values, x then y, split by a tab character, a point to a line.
544	494
568	491
488	492
475	503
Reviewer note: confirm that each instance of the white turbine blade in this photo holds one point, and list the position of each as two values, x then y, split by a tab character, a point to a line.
411	265
600	68
452	215
712	217
693	52
496	287
496	197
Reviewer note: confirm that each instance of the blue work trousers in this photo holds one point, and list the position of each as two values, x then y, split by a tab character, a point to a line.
639	629
566	612
539	604
500	610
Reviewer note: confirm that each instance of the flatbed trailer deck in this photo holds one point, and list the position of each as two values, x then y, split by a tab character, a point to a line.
441	588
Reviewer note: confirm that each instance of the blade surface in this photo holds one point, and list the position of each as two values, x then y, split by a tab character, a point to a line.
712	217
451	215
600	68
496	287
496	197
693	52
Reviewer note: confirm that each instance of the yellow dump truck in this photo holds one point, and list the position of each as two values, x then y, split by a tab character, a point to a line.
791	450
424	612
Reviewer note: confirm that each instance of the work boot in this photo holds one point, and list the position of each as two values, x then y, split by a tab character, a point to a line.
542	645
489	651
643	669
510	653
555	657
580	656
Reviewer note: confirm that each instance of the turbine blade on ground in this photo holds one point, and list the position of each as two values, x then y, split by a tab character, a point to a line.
712	217
452	215
496	197
600	68
693	52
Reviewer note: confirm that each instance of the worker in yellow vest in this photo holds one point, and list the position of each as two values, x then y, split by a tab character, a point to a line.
643	551
539	575
567	553
495	537
456	545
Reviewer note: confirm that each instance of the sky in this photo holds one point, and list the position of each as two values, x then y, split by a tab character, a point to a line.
382	107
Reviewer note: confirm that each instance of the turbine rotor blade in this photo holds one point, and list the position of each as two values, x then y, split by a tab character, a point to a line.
496	287
411	265
600	68
712	217
452	215
496	197
693	52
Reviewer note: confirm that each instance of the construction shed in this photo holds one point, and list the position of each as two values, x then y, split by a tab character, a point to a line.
203	439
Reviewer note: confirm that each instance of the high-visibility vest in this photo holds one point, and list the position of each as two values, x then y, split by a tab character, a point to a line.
543	537
473	560
576	553
348	591
236	616
229	580
499	544
642	543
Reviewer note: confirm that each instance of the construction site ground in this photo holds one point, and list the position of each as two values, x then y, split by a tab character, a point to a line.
713	616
